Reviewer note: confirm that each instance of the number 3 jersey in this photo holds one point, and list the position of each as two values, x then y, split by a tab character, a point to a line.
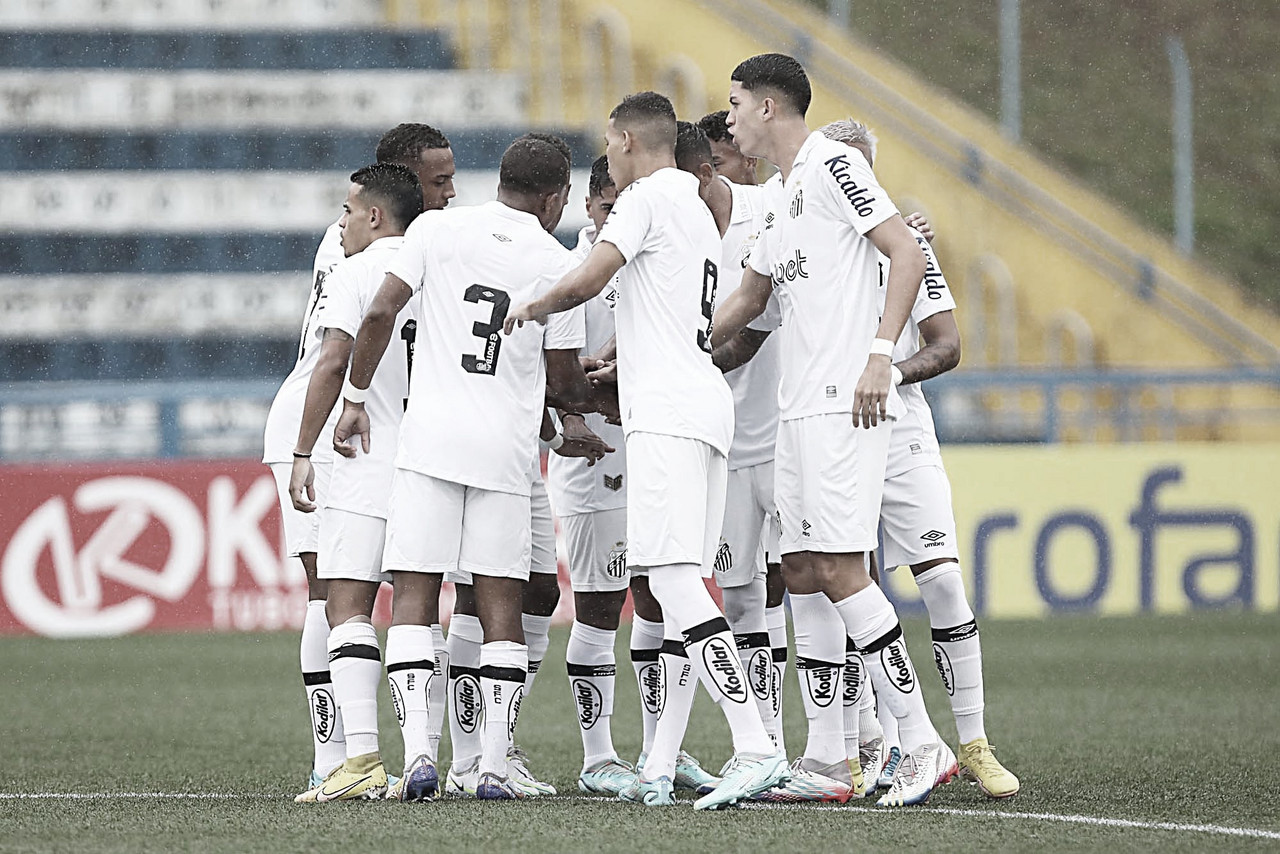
362	484
476	395
667	383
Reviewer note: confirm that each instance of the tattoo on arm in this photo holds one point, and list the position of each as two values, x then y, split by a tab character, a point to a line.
932	360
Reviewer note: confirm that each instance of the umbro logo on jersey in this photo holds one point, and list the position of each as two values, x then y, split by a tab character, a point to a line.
859	197
832	391
933	538
797	204
916	448
789	271
502	238
768	221
804	527
613	484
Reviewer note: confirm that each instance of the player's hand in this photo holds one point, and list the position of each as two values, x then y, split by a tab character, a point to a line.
353	421
604	396
918	221
604	372
519	315
871	395
579	441
302	485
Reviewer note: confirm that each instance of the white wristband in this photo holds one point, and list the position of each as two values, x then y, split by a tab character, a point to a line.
554	443
353	394
882	347
896	372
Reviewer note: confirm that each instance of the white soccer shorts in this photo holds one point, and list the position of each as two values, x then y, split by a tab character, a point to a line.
597	546
301	530
748	512
351	546
437	526
675	502
916	517
542	556
829	478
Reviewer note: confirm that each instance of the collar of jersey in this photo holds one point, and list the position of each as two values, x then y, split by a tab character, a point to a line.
805	150
511	213
388	242
739	210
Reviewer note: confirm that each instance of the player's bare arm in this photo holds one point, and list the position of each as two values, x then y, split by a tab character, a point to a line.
941	350
739	349
371	342
743	306
906	270
576	287
322	394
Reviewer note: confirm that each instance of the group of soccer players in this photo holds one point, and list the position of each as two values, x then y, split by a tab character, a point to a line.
686	441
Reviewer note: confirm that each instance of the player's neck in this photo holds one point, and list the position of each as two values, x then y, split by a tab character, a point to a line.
787	141
645	163
720	200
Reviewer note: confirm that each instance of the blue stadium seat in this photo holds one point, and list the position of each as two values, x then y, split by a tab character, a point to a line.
146	359
172	51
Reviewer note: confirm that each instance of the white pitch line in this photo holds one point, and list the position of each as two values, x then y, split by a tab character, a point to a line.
1175	827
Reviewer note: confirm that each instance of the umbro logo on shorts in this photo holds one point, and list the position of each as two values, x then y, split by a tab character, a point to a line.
933	538
613	484
502	238
804	527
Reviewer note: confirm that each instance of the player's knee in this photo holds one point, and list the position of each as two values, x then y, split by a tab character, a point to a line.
921	568
541	594
599	610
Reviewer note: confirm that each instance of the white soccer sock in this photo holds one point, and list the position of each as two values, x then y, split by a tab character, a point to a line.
776	621
678	684
437	690
956	648
356	665
592	668
410	671
872	623
466	708
888	724
820	642
503	668
537	636
853	680
322	708
869	728
646	645
685	601
744	610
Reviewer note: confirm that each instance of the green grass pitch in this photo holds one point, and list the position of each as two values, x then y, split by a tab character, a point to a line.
1148	720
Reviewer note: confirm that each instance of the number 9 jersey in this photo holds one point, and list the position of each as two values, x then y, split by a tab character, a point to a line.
476	395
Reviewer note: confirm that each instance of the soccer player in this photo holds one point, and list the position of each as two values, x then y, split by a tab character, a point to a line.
381	202
426	152
828	218
726	157
460	493
916	515
677	415
750	515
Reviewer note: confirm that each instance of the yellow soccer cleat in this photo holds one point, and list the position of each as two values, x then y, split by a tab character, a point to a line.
360	778
978	764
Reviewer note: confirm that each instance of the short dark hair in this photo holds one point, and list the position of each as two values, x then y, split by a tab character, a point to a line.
532	166
600	177
559	144
650	117
395	186
716	126
405	143
779	72
692	147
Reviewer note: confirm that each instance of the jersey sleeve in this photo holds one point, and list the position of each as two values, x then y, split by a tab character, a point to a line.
566	330
771	318
935	296
856	195
409	264
342	307
629	222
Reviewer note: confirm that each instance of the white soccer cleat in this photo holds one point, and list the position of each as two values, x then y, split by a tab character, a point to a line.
521	779
919	774
872	759
461	782
811	783
608	778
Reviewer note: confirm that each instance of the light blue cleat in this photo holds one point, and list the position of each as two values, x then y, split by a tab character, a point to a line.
657	793
744	776
608	778
890	768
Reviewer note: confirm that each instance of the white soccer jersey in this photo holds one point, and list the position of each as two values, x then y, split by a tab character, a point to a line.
285	416
576	487
362	484
666	382
755	384
476	395
825	274
914	441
